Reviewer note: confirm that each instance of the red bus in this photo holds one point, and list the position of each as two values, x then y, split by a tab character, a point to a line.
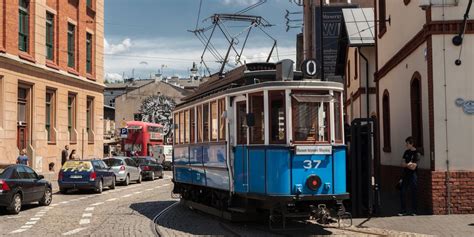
144	139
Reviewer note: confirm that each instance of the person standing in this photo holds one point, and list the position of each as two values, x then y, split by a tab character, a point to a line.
409	179
64	154
73	155
22	158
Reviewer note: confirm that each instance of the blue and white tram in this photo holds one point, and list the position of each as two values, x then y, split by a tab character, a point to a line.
258	141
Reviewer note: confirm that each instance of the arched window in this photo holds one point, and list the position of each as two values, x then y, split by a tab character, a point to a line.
386	122
416	111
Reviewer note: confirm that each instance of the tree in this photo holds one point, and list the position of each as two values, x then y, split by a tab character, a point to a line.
158	109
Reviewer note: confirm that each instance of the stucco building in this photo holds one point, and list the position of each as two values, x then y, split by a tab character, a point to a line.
423	92
51	79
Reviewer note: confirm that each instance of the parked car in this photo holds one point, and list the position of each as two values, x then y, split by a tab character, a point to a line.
125	169
168	152
19	184
85	174
151	169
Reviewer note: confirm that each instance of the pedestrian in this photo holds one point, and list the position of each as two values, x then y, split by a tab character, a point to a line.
409	179
64	155
73	155
22	158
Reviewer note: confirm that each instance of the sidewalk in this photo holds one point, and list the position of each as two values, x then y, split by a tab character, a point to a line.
441	225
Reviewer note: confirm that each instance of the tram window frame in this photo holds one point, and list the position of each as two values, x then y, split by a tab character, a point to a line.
222	126
295	122
176	128
274	96
181	127
258	119
200	124
213	120
241	122
186	126
192	125
205	120
338	118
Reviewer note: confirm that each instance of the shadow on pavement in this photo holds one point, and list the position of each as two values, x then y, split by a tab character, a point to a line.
150	209
24	207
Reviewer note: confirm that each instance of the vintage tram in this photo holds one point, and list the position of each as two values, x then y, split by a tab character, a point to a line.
262	139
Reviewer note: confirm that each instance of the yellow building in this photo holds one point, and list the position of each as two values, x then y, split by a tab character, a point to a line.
51	79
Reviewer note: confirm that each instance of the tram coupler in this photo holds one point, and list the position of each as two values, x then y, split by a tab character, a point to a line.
321	214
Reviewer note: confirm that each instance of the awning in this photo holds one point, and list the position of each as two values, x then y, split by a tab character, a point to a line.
302	98
134	127
359	23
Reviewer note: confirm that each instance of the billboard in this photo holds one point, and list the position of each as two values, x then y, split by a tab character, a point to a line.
332	26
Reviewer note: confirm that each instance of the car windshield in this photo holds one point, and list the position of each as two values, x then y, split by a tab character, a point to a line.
77	165
143	161
113	162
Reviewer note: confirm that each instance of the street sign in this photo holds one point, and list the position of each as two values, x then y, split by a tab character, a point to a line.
309	68
123	133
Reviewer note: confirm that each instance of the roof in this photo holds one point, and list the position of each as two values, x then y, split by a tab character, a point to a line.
359	23
134	84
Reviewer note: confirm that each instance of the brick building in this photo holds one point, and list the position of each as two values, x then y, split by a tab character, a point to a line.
51	79
423	92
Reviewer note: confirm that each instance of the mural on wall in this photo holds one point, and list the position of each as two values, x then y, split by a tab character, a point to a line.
466	105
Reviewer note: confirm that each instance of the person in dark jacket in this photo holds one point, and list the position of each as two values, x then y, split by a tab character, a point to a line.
64	155
409	178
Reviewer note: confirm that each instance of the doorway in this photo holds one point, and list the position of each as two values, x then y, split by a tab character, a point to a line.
23	117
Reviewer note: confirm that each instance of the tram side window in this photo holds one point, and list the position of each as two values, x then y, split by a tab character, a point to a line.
205	124
193	125
310	119
277	117
186	126
214	117
176	122
241	123
199	123
338	116
222	119
181	127
257	132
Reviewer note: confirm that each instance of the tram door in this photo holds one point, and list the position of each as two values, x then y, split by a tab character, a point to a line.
361	177
239	150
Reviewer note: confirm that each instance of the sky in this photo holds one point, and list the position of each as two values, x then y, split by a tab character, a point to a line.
143	37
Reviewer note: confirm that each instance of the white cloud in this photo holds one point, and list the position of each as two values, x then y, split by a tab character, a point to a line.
112	77
121	47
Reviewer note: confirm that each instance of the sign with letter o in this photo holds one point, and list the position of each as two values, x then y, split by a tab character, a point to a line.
309	68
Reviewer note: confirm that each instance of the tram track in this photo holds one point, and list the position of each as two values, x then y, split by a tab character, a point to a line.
157	217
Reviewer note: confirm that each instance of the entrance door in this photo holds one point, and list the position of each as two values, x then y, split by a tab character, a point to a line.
240	152
23	115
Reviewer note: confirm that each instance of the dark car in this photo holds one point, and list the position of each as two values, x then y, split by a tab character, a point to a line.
151	169
19	185
85	174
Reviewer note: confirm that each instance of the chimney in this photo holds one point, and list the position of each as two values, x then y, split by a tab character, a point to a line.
284	70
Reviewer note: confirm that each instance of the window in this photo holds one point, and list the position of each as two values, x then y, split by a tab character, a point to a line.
214	119
382	17
181	127
186	126
71	45
416	111
49	36
205	119
23	25
311	117
257	132
176	134
386	121
241	122
50	114
338	116
192	120
356	65
277	117
348	76
90	118
199	123
31	173
222	119
89	53
71	109
89	3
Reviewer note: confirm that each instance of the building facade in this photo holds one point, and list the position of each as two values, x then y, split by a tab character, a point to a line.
424	92
51	79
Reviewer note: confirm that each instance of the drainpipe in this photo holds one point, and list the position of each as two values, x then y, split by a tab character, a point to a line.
367	94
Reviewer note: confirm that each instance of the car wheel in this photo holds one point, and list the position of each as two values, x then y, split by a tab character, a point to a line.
47	198
152	176
113	184
161	175
139	181
15	205
127	180
63	191
100	188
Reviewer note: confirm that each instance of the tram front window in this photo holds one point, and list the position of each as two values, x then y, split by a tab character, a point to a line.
310	118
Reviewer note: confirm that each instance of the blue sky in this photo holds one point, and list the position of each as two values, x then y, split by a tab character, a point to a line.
146	35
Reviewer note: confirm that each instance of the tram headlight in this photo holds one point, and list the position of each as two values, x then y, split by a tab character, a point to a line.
313	182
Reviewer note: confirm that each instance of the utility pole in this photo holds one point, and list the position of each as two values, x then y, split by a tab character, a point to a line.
321	2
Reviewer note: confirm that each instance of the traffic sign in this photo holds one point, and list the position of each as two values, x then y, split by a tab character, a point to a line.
123	133
309	68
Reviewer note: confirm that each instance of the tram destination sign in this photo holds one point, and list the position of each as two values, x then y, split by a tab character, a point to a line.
313	150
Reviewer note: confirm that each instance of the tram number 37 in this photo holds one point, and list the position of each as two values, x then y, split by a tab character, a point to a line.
311	164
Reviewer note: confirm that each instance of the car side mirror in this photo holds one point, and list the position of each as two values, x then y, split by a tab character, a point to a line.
40	177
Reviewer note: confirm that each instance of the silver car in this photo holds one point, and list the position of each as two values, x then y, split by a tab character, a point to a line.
125	169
